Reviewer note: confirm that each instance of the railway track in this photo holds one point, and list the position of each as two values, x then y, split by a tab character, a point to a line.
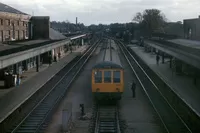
37	119
170	119
107	120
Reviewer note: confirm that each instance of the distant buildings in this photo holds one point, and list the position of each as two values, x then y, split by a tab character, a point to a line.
13	24
192	28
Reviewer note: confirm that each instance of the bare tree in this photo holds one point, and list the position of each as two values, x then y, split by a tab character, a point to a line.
138	17
151	20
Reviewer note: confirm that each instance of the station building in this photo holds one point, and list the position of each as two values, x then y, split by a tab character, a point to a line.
192	28
13	24
29	42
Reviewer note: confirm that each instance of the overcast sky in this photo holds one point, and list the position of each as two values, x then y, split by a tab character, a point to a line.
105	11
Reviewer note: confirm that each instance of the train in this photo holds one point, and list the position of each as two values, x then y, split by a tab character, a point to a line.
108	73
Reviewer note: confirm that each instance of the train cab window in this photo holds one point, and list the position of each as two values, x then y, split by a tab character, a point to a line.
107	76
116	76
98	76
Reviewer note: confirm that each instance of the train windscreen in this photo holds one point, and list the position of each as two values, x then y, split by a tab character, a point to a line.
98	76
116	76
107	76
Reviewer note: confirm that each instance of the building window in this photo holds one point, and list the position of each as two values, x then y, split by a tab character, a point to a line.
16	35
2	36
18	23
9	33
23	34
98	76
24	24
107	76
26	33
116	76
8	22
13	24
13	34
1	21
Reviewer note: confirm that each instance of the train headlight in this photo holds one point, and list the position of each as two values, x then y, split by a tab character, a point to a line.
97	89
118	89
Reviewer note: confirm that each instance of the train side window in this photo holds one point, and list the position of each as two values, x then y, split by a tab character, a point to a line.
107	76
98	76
116	76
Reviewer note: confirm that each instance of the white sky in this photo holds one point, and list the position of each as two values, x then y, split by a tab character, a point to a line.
105	11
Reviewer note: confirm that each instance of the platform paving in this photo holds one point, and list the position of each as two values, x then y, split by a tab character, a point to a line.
19	94
182	85
25	76
184	55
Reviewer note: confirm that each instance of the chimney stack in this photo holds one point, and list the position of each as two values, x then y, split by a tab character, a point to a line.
76	20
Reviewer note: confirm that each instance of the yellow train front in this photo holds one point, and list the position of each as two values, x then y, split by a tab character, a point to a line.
108	74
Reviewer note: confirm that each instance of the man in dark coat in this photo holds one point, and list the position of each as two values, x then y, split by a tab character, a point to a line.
50	60
157	59
71	49
133	88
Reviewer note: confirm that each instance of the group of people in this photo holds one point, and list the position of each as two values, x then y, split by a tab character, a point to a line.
59	55
16	81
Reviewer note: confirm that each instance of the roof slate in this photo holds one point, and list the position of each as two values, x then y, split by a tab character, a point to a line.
9	9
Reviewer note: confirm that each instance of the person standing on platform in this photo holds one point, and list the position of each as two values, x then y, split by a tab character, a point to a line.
55	59
133	87
157	59
71	49
59	55
18	80
50	59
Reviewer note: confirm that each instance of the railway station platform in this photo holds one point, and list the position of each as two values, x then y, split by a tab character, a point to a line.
182	85
24	77
11	100
188	54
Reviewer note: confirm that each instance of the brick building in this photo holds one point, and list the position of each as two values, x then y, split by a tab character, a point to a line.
192	28
13	24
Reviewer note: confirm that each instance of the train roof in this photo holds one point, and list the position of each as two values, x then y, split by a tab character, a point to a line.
108	57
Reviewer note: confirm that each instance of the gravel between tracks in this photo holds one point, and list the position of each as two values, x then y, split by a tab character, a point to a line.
79	92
